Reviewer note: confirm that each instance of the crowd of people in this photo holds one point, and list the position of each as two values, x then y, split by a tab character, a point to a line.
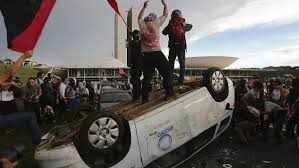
42	95
260	105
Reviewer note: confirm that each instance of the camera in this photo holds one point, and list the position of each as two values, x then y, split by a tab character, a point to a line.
12	153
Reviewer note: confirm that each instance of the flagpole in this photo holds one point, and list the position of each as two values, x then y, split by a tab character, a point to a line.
125	23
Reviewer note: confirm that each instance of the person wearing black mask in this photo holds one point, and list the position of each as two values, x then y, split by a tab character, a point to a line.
136	64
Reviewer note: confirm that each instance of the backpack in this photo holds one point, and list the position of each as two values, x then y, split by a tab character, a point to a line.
177	34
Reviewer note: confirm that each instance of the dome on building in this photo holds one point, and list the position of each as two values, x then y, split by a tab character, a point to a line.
210	62
103	62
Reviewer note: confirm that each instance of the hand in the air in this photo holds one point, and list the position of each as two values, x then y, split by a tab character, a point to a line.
145	4
163	2
28	54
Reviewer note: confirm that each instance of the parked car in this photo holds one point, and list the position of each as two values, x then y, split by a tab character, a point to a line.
156	134
112	97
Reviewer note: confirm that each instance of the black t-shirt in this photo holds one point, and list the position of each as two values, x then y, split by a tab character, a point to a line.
136	55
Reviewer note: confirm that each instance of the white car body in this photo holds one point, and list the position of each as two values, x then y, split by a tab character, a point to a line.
157	132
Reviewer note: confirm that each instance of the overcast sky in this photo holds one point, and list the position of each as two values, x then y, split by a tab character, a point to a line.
259	32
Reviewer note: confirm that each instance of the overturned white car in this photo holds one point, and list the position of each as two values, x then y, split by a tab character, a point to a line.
157	134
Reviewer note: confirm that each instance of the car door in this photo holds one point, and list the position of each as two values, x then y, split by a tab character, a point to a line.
162	130
202	111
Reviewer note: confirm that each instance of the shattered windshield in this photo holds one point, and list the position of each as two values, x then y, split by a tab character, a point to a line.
115	97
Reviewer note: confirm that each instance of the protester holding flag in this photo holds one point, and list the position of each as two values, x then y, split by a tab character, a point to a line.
13	120
153	56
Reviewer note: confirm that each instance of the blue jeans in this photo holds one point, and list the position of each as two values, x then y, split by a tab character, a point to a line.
173	53
21	119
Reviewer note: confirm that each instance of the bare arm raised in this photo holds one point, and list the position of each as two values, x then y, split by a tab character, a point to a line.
162	18
15	67
142	10
165	10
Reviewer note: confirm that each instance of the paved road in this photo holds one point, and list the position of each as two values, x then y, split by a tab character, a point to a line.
258	154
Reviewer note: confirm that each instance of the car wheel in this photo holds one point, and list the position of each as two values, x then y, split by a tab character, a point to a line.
80	111
216	83
101	139
172	158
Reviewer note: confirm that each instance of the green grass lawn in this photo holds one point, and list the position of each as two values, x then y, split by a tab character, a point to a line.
22	135
24	73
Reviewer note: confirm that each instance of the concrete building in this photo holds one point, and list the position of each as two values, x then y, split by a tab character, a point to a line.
133	19
105	69
109	68
120	37
133	25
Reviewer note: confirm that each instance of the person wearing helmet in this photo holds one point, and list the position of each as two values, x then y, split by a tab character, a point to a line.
176	30
153	57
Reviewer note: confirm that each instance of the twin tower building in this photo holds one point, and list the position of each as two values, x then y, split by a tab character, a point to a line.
121	33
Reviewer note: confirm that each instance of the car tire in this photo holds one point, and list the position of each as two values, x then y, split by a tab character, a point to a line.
75	113
216	83
100	139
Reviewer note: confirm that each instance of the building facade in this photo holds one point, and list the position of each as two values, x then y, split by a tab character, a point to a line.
120	37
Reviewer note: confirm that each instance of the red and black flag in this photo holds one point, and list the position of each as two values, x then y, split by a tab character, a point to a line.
24	21
114	5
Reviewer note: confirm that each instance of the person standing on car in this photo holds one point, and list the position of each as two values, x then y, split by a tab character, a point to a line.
136	64
153	57
176	30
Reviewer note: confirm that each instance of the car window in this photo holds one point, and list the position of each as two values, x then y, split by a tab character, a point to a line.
115	97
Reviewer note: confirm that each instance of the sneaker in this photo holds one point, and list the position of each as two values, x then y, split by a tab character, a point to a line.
181	87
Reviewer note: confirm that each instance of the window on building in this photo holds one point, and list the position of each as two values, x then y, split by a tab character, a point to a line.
73	73
81	71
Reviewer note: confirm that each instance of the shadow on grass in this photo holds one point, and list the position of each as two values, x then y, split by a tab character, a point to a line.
22	135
